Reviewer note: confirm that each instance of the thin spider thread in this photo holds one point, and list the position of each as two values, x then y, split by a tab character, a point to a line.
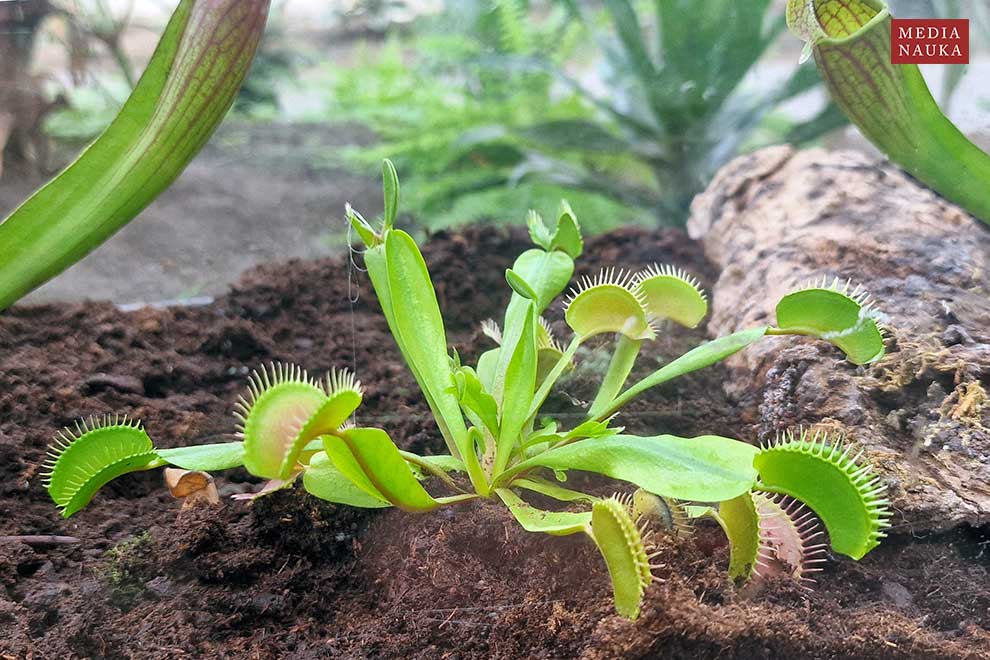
353	296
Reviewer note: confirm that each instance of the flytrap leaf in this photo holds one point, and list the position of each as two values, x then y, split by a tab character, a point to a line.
790	537
81	462
845	494
770	535
557	523
890	103
741	523
371	461
322	479
184	94
666	512
284	409
671	293
622	546
608	303
704	469
841	316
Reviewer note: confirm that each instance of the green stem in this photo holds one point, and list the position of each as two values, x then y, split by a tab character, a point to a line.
475	472
697	358
457	499
623	359
544	391
432	469
550	489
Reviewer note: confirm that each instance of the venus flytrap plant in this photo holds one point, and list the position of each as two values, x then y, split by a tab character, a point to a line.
293	424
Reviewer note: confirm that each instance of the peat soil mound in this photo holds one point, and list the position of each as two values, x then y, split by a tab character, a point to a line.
293	577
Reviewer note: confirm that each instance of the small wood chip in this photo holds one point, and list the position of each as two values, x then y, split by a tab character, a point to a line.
192	486
41	540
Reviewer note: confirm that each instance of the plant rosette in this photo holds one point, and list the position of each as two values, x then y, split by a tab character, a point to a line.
768	500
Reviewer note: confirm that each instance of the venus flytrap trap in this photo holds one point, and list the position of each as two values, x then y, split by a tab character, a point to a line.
296	425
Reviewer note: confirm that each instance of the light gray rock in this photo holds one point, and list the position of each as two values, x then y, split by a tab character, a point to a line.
779	218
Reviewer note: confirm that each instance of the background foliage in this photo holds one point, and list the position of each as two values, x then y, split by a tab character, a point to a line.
625	108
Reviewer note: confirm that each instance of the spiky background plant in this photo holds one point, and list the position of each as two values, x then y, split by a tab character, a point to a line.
489	417
625	108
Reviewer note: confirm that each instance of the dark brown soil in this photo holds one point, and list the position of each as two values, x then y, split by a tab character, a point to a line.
291	576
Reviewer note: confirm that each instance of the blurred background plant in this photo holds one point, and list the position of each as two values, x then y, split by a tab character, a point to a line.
458	123
978	14
276	66
625	108
94	29
23	101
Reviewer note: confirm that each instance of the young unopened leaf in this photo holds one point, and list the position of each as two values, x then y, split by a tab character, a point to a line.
390	185
567	237
475	399
362	227
538	231
520	286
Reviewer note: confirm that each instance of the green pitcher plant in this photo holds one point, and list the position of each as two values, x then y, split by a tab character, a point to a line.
890	103
183	95
295	426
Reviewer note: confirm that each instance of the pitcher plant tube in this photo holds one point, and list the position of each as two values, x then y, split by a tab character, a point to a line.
297	426
890	103
184	94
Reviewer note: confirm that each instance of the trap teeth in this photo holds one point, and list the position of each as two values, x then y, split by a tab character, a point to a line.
78	463
622	546
608	303
671	293
490	329
852	506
